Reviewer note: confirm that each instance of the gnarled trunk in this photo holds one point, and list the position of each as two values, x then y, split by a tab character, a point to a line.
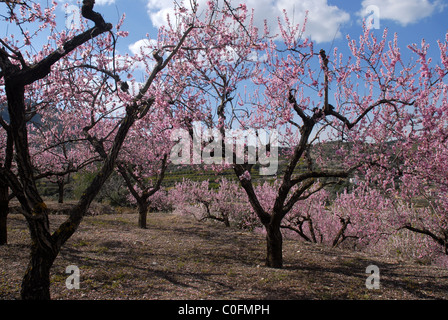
4	210
274	241
36	282
61	184
142	213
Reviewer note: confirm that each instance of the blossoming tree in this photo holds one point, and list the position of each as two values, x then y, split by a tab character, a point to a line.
83	64
288	90
144	159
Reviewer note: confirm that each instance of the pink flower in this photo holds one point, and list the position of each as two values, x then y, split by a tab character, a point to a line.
245	176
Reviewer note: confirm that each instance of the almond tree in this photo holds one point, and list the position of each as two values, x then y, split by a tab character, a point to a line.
145	156
413	171
290	90
393	135
424	150
387	86
144	159
18	72
227	203
93	88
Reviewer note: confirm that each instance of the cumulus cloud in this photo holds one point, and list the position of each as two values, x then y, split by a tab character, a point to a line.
144	45
324	20
323	25
403	12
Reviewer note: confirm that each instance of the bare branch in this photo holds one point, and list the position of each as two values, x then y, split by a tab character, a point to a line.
439	240
325	174
42	69
331	112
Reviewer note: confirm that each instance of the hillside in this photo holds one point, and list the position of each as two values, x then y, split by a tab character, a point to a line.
117	189
178	258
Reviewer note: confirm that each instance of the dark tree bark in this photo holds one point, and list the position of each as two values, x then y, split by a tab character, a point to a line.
44	247
224	218
340	237
274	241
36	282
441	240
61	184
4	210
143	207
4	190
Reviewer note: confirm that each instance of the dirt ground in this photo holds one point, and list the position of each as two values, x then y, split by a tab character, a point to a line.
179	258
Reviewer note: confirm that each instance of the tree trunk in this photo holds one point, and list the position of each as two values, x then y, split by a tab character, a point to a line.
226	220
142	214
60	190
341	234
36	282
4	210
274	241
45	247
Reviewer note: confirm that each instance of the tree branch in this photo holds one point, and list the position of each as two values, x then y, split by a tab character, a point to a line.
253	199
325	174
296	195
425	231
41	69
329	111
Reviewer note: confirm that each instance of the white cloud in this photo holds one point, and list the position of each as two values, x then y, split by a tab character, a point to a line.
403	12
324	20
323	24
104	2
144	45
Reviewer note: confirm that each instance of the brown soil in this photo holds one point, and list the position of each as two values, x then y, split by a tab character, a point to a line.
180	258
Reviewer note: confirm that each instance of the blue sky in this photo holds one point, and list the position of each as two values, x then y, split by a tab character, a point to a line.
330	20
